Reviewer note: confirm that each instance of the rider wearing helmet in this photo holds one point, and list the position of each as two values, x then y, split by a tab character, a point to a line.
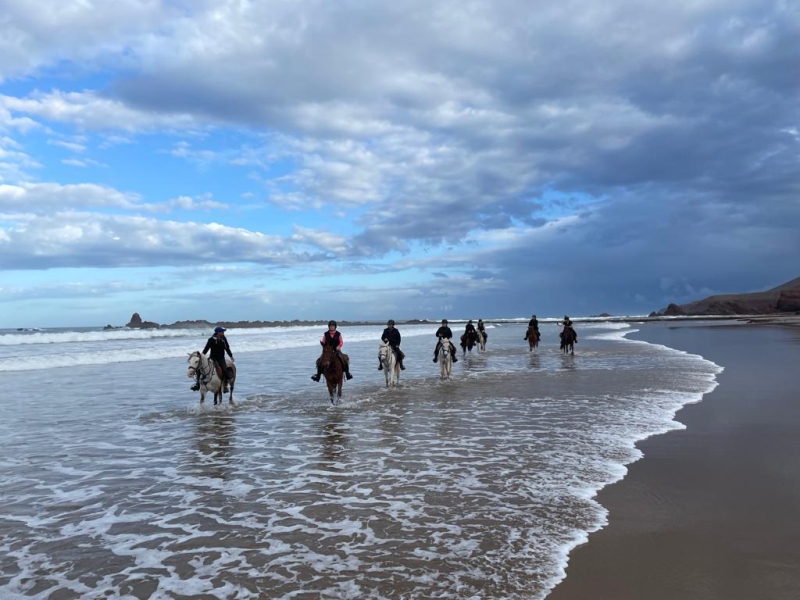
534	322
567	323
335	340
482	328
469	333
444	332
392	337
218	345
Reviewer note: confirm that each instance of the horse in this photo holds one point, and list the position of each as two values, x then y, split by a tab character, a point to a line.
468	340
481	340
568	337
533	338
209	379
445	359
331	365
388	360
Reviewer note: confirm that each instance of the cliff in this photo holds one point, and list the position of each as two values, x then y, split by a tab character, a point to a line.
782	299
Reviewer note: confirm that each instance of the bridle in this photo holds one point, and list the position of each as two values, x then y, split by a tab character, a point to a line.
204	372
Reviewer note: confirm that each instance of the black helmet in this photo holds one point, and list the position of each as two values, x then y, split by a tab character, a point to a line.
391	322
331	323
566	318
470	320
444	321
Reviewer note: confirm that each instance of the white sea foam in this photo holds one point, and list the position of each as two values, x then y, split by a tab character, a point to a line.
475	487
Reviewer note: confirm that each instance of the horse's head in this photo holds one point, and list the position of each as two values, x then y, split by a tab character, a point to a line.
194	363
327	355
445	348
383	350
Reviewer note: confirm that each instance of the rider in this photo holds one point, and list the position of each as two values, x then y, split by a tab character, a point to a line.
534	322
335	340
444	332
218	345
567	323
482	329
469	332
391	336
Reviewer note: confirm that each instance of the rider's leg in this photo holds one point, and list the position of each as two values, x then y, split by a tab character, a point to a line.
345	367
436	351
400	357
453	352
319	372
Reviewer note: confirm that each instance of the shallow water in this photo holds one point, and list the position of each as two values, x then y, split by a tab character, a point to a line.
116	483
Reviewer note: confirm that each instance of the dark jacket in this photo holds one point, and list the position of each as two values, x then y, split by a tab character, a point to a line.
534	323
218	348
331	340
444	332
392	336
470	328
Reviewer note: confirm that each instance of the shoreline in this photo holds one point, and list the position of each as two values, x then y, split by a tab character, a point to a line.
776	318
710	511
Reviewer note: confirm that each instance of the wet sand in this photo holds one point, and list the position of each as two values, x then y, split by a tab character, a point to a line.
712	511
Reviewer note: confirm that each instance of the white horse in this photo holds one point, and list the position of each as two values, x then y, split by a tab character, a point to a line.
445	359
209	379
391	368
481	340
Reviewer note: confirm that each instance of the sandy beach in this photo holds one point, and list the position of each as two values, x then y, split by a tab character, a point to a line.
711	511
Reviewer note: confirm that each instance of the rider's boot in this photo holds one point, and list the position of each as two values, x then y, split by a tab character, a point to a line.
402	367
454	353
196	386
380	366
316	377
436	353
347	374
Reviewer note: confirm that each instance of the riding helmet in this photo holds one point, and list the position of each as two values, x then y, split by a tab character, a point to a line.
331	323
444	321
391	322
219	329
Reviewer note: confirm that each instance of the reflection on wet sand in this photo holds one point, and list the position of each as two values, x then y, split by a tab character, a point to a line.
214	436
334	438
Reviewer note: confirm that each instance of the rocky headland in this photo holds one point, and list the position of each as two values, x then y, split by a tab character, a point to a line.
781	300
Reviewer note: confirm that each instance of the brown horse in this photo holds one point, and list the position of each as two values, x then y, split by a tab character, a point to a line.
568	337
533	338
331	362
468	341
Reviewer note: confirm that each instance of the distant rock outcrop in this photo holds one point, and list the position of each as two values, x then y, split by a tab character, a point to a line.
137	323
781	299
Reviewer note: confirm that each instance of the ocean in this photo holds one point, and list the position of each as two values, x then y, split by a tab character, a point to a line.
116	483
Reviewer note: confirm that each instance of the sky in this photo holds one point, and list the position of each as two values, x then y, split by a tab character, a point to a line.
241	160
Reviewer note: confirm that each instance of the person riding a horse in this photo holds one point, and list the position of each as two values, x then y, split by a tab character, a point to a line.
469	334
482	328
218	345
332	338
567	323
534	322
444	332
392	337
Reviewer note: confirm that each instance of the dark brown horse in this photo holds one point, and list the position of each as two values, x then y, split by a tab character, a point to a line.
331	362
468	340
568	337
533	338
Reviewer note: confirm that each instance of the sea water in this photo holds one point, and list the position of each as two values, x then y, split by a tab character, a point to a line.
116	483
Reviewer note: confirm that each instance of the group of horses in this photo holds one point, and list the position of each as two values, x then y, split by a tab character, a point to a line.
203	369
